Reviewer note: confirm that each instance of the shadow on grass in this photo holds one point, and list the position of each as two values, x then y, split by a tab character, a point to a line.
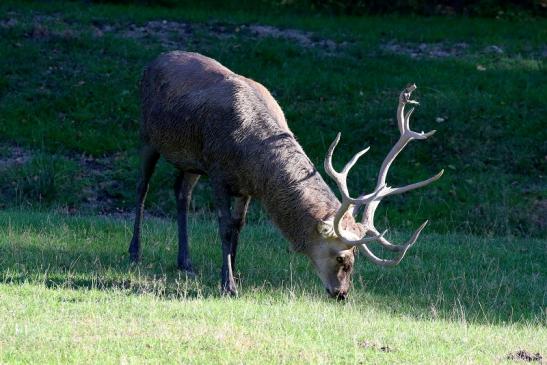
454	277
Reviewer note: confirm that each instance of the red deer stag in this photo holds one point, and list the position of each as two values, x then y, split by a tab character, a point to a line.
205	119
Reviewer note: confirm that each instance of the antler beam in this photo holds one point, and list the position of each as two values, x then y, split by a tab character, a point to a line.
372	200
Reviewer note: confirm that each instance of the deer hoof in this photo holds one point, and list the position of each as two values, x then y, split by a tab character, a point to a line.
134	258
189	272
229	291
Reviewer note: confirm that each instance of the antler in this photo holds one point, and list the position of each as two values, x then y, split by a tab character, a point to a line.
371	201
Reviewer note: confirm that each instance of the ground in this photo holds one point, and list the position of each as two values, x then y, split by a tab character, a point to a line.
69	295
471	291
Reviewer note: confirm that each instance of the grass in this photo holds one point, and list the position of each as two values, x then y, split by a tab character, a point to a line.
472	291
68	295
69	94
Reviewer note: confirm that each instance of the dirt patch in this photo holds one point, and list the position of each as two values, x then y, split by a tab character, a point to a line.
8	23
100	191
539	214
169	33
13	156
183	35
302	38
42	32
523	355
95	165
43	27
426	50
105	193
173	34
447	50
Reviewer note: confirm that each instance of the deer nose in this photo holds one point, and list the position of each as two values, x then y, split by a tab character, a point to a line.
341	295
337	294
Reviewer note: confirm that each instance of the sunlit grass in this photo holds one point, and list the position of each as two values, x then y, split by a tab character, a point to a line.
68	294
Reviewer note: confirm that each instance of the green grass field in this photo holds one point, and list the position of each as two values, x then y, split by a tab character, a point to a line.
68	295
473	289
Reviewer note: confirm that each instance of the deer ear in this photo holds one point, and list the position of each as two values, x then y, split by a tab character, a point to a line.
326	229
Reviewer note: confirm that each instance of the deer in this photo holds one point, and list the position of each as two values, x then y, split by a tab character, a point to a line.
207	120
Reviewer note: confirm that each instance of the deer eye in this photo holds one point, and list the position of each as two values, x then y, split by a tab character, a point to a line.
340	259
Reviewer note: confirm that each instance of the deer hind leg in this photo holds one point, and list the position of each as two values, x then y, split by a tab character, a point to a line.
183	192
239	213
149	158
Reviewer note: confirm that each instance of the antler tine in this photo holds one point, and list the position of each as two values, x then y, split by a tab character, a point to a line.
396	248
348	202
407	119
354	160
340	178
403	189
328	157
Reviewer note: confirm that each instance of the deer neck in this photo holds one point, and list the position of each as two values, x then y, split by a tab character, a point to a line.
295	195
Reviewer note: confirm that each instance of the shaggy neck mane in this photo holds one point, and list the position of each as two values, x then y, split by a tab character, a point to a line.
293	192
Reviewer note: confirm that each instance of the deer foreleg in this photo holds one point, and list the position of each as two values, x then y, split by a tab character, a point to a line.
226	228
183	192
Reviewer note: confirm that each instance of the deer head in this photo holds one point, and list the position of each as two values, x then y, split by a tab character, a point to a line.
341	235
